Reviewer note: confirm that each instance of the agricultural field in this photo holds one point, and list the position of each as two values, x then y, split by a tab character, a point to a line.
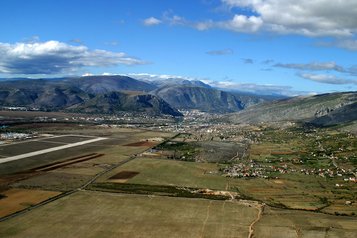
300	168
296	192
96	214
15	200
286	223
182	185
67	169
153	171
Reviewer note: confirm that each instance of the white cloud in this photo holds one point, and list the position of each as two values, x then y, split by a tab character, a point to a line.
154	77
107	74
313	66
305	17
348	44
327	79
312	18
53	57
202	26
242	23
151	21
239	23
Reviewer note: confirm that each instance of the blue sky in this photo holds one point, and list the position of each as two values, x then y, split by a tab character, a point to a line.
289	46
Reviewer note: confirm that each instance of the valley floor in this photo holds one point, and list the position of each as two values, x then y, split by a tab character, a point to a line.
133	185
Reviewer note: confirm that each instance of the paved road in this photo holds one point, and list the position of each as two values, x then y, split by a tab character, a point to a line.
40	152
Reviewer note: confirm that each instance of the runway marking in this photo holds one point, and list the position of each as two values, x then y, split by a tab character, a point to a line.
40	152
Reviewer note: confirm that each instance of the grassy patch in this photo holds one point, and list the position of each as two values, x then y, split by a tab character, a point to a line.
173	173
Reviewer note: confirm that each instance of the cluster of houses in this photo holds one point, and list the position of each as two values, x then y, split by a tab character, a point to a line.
250	168
16	136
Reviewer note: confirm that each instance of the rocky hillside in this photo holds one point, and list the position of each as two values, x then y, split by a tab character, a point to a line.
345	114
75	92
299	109
105	84
40	94
111	103
69	95
204	99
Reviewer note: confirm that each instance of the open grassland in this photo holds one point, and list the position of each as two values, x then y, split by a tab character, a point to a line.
173	173
280	223
294	191
166	207
284	193
18	199
93	214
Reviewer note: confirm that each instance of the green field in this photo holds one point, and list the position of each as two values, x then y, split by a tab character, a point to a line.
295	191
94	214
173	173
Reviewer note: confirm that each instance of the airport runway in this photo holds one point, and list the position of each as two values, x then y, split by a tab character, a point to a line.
44	151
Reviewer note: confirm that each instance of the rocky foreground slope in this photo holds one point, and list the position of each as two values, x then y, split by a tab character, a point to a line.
324	109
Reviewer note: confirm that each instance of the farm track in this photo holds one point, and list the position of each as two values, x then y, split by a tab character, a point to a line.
260	214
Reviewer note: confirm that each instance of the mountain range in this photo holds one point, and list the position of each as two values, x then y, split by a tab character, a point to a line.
113	94
110	94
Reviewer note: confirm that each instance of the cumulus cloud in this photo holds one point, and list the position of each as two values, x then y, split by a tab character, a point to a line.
327	79
53	57
304	17
241	23
313	66
151	21
220	52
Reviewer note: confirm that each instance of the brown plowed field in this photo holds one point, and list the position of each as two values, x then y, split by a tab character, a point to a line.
19	199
